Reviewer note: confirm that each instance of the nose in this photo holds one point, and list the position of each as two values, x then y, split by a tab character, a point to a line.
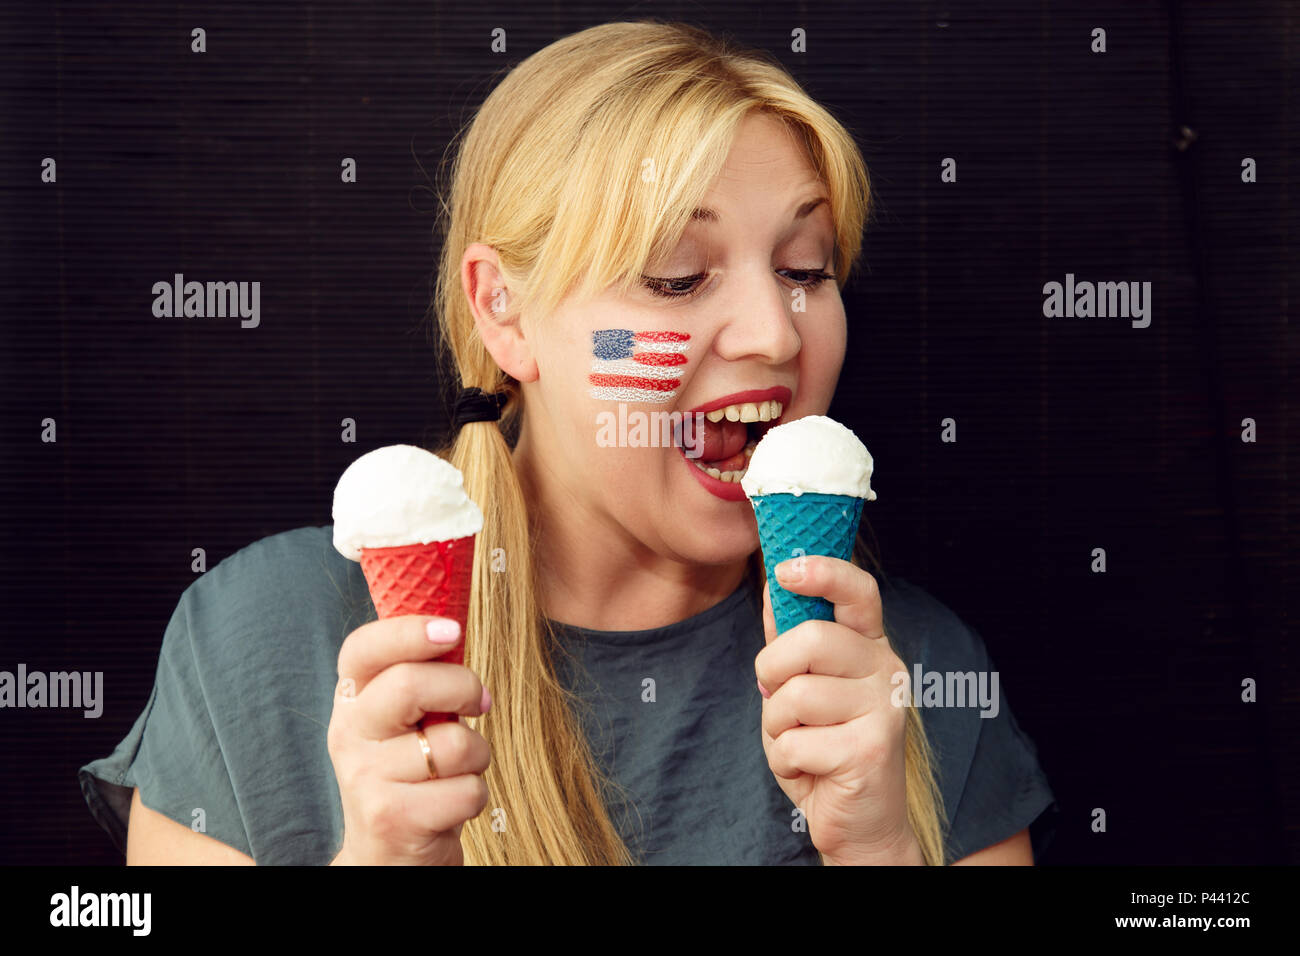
760	324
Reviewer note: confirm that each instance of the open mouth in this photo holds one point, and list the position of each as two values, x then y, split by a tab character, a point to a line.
732	429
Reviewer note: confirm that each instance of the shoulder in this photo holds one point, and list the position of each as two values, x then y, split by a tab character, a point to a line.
987	766
233	732
278	572
924	629
282	604
933	642
285	584
259	636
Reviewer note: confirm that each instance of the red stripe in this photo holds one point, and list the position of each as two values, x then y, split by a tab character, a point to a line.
661	337
631	381
659	358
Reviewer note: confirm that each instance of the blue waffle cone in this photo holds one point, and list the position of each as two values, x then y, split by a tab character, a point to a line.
790	525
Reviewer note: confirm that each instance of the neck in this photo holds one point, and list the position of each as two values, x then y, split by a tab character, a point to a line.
593	574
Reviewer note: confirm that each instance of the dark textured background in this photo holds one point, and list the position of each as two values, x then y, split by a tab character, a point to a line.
1072	433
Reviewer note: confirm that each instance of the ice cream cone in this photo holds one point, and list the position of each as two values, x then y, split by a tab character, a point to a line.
431	578
793	525
403	513
807	481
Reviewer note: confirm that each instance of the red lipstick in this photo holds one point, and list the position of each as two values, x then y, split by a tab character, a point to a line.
727	490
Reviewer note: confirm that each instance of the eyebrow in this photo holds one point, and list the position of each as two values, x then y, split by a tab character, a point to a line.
703	214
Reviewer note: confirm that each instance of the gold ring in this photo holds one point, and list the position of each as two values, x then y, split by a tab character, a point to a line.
428	754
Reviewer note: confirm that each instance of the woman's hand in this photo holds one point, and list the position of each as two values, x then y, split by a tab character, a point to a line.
393	812
832	735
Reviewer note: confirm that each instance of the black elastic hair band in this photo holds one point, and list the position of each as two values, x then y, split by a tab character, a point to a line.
476	405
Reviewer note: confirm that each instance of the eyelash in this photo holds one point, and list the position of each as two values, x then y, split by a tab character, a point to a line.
656	286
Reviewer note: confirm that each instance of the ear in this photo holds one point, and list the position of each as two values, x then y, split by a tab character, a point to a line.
498	325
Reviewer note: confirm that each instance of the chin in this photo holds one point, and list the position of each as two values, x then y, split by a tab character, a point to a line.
719	544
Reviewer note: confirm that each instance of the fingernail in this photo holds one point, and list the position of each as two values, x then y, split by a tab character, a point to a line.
442	630
485	704
790	571
761	689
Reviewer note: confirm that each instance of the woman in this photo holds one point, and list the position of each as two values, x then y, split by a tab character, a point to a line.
632	183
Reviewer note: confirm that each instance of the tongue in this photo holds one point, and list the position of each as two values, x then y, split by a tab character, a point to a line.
723	441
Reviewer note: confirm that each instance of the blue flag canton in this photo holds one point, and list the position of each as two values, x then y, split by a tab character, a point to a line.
612	344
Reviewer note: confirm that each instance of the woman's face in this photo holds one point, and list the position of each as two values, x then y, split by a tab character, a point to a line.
611	369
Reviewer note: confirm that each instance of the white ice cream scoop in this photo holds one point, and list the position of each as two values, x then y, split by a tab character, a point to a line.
399	495
810	454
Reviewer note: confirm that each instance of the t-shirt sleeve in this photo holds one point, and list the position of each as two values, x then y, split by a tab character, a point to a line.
234	731
989	773
172	753
1006	790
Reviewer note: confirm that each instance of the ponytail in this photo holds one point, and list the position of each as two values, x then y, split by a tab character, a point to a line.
547	803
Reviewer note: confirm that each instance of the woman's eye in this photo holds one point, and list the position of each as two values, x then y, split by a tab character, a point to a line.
817	277
674	288
682	287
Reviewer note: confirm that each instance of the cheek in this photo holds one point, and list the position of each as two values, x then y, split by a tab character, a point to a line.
638	367
821	356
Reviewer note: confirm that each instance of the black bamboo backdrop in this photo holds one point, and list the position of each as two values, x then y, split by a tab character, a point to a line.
1072	433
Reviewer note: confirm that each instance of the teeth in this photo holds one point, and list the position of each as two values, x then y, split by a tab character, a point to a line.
747	412
731	476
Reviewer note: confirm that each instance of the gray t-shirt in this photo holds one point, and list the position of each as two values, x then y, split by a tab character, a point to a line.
233	733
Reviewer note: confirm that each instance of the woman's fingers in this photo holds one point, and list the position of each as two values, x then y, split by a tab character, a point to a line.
818	647
401	694
815	700
454	749
852	591
398	811
377	645
390	680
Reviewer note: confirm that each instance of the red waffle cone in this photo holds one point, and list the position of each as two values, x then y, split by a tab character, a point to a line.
432	579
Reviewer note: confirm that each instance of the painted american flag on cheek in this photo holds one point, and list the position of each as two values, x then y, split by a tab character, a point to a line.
637	366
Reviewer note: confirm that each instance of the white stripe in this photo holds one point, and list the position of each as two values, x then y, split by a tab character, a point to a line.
661	346
629	367
605	393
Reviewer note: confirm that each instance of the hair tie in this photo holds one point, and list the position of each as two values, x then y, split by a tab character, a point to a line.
476	405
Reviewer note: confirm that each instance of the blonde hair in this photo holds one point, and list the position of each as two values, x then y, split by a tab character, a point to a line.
579	169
